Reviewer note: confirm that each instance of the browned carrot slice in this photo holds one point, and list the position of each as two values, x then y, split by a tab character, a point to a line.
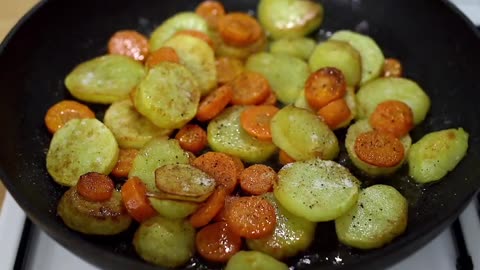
324	86
251	217
392	116
217	243
199	35
221	214
239	167
209	209
192	138
221	167
124	163
256	120
95	187
250	88
163	54
214	103
258	179
228	69
392	68
134	197
379	149
239	29
129	43
270	100
284	158
212	11
62	112
335	113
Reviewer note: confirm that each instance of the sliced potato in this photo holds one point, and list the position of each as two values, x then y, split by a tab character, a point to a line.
198	57
99	218
184	180
351	101
437	153
317	190
302	135
165	242
173	209
286	74
382	89
168	96
223	49
180	21
289	19
371	54
363	126
158	152
130	128
81	146
292	234
105	79
379	216
254	260
340	55
226	135
301	47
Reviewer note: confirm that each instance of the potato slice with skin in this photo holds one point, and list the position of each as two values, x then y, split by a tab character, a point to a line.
382	89
317	190
298	47
184	180
254	260
198	57
226	135
289	18
160	195
165	242
172	209
363	126
158	152
286	74
340	55
371	54
104	79
168	96
379	216
81	146
292	234
180	21
130	128
302	135
437	153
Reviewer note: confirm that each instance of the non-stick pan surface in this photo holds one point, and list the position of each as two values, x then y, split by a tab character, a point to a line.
437	46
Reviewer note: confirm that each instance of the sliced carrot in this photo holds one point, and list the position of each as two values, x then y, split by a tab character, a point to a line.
239	167
324	86
95	187
163	54
392	68
379	149
239	29
258	179
134	197
129	43
62	112
192	138
221	167
124	163
217	243
211	11
392	116
284	158
256	120
209	209
214	103
250	88
221	214
228	69
251	217
199	35
335	113
270	100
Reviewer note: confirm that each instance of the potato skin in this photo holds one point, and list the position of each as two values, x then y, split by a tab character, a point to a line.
437	153
99	218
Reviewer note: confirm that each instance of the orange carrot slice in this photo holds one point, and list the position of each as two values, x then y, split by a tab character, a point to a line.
228	69
214	103
134	197
392	116
163	54
284	158
217	243
379	149
212	11
62	112
192	138
129	43
258	179
221	167
324	86
250	88
239	29
209	209
256	120
95	187
124	163
335	113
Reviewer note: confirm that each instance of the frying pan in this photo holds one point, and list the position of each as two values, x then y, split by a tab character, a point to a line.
437	45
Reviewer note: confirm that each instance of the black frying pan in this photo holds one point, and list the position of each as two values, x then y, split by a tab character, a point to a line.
438	47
